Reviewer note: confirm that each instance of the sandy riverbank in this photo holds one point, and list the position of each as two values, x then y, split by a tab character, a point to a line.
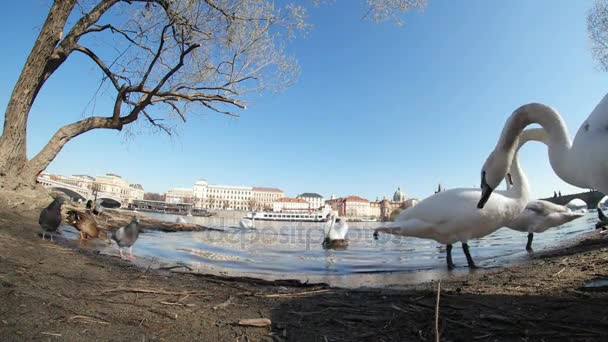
51	292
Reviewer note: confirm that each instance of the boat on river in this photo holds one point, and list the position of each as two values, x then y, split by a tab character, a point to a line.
248	221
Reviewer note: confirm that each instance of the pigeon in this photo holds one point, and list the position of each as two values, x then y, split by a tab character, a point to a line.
126	236
50	217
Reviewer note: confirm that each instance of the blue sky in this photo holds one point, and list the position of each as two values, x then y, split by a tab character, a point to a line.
376	107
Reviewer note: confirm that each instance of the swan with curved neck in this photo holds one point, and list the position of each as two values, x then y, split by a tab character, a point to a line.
335	232
582	163
450	216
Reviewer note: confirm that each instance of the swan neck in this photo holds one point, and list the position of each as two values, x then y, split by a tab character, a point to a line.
520	187
536	113
557	137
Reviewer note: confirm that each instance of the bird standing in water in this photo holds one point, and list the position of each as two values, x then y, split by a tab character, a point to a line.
126	236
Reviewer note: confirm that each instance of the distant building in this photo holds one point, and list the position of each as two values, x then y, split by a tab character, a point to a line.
179	195
290	204
315	200
115	184
355	207
385	208
351	206
212	196
399	196
137	192
263	198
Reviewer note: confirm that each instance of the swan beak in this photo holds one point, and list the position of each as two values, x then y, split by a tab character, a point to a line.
486	191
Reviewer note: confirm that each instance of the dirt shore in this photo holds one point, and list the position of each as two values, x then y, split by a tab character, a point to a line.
50	292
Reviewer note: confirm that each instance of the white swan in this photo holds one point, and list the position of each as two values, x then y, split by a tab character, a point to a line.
248	222
582	163
335	232
450	216
539	216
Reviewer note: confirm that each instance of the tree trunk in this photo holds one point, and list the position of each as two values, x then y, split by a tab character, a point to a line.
36	71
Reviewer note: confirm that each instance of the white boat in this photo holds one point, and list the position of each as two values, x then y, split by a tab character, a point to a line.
288	216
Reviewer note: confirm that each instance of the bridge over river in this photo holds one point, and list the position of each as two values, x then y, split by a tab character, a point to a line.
79	193
591	198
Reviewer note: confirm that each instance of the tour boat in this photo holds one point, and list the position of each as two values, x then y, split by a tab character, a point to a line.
285	216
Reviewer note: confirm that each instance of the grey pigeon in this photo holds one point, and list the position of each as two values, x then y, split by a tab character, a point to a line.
126	236
50	217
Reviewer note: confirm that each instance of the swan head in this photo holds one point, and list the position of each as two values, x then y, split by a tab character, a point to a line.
493	172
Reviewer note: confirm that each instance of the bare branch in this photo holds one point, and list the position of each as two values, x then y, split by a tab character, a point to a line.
113	78
62	136
154	123
82	25
156	55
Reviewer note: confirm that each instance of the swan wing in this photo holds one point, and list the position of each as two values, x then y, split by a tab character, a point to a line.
545	208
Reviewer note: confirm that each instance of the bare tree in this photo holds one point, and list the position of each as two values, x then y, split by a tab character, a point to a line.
153	196
161	60
597	27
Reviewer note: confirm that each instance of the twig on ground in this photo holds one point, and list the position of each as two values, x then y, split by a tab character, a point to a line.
297	294
86	319
51	334
139	290
168	268
560	271
173	316
172	303
255	322
224	304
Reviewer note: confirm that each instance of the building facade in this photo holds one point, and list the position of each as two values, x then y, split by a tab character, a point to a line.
355	207
137	192
290	204
315	200
263	198
231	197
179	195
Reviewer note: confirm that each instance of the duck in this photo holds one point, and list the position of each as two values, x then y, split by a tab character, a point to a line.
582	162
86	225
94	208
50	217
603	220
540	215
335	232
126	236
451	216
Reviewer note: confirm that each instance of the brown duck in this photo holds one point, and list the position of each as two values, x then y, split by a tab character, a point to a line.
86	224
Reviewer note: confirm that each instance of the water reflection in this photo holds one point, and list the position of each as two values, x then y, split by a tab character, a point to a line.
294	250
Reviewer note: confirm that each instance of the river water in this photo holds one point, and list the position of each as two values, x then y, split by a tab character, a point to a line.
293	251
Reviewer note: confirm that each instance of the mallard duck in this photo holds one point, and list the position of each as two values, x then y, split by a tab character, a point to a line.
50	217
86	224
94	208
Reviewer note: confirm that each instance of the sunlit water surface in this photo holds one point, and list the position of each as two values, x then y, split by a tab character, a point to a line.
277	250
